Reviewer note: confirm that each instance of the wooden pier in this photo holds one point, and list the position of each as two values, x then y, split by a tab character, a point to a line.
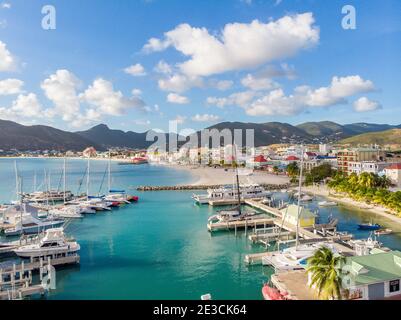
16	281
241	224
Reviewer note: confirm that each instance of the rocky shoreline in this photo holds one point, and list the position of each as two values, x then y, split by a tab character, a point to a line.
203	187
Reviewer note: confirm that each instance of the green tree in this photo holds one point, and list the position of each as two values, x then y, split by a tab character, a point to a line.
325	269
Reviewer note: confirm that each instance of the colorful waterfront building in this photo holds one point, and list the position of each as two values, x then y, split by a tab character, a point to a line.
375	276
345	156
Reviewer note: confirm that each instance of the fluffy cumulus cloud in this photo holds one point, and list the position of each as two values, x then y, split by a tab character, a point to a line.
179	83
223	85
136	70
241	99
276	102
10	86
106	101
5	5
258	83
339	89
24	106
365	105
177	99
240	45
7	60
61	89
163	67
205	118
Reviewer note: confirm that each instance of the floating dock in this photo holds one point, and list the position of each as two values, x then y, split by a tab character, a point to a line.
241	224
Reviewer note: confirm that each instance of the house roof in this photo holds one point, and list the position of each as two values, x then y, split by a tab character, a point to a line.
394	166
260	159
375	268
292	158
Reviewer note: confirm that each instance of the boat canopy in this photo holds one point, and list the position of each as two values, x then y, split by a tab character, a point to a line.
117	191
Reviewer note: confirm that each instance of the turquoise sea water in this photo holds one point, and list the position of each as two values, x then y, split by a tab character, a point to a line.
158	248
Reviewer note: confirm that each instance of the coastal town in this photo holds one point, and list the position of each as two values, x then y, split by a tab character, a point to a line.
200	158
368	178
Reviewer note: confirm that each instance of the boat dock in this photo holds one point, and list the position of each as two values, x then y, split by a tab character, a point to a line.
241	224
224	202
16	281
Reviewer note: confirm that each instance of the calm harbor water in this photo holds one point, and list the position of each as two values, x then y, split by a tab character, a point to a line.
158	248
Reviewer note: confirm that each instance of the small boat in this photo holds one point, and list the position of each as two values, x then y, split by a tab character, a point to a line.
327	204
54	242
369	226
32	225
270	293
68	212
382	232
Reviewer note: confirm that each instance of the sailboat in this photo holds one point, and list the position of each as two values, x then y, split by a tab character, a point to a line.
117	197
236	213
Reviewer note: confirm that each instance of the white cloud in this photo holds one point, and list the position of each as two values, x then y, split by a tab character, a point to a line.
10	86
163	67
258	83
24	106
106	101
5	5
7	61
27	105
176	98
136	70
339	89
136	92
179	83
276	102
240	45
223	85
205	118
241	99
364	105
61	88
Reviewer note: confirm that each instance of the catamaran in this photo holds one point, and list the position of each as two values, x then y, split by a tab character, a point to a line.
294	258
229	192
54	242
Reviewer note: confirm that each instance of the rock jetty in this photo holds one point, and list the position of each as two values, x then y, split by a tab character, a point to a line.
203	187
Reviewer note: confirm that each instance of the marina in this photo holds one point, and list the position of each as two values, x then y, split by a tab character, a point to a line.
226	258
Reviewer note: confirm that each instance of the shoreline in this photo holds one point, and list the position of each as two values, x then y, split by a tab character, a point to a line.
68	158
381	211
219	176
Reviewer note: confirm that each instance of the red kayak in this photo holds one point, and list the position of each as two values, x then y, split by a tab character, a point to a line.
133	198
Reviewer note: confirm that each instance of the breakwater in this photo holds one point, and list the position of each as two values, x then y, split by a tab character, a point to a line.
204	187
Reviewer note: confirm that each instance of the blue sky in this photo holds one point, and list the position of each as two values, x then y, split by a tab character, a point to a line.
210	61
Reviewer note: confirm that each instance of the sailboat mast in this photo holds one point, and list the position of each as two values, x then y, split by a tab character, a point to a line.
64	182
109	177
34	181
237	178
16	179
87	180
299	196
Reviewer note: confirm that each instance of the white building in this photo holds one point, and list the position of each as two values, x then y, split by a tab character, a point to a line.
393	172
359	167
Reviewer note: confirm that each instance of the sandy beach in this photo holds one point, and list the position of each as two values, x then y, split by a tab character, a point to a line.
379	210
215	176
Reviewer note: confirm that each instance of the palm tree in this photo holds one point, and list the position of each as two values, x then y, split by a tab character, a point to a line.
325	268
